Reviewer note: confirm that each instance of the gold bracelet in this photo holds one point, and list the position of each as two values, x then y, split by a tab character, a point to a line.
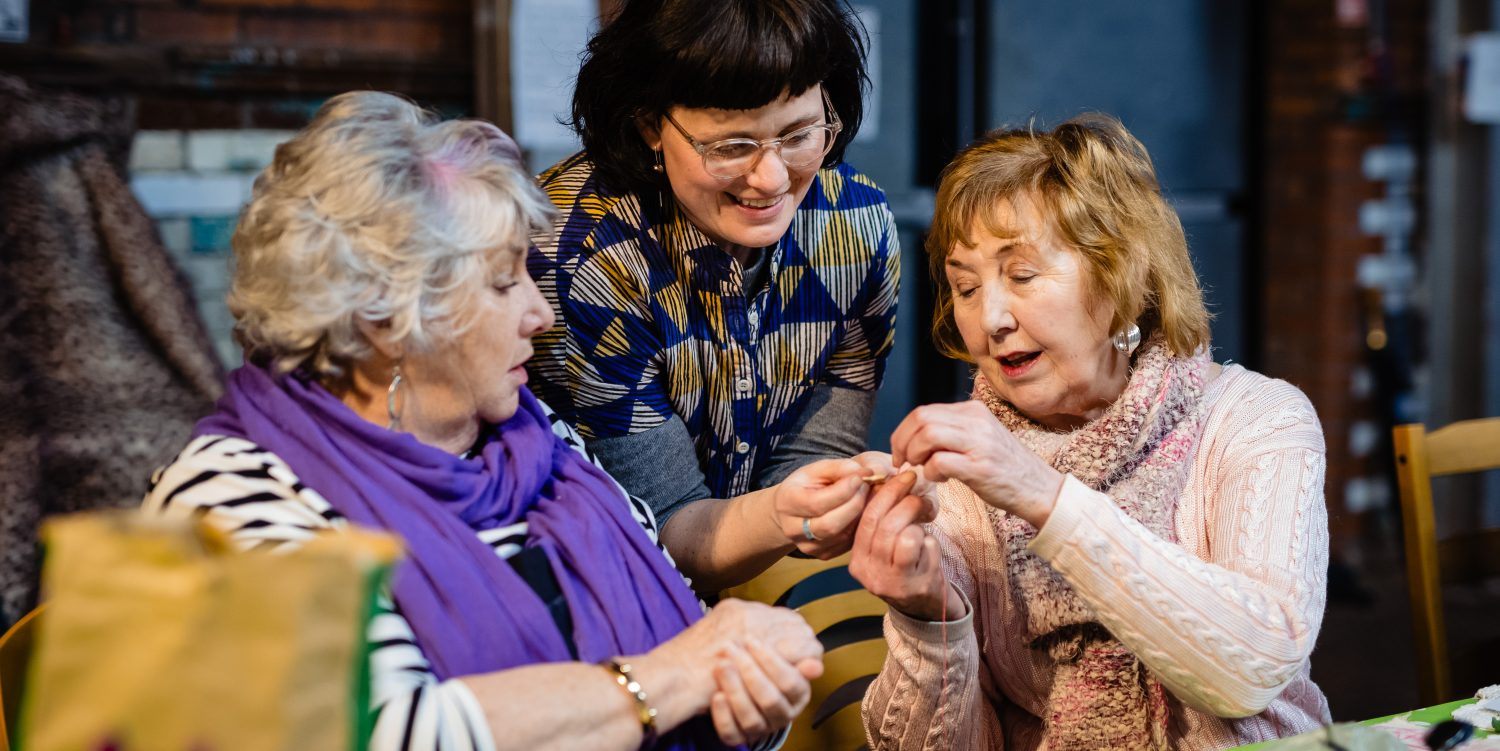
643	709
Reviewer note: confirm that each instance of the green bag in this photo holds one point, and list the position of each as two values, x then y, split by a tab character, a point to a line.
160	635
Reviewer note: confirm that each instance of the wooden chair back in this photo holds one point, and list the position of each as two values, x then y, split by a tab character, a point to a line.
15	655
1459	448
848	621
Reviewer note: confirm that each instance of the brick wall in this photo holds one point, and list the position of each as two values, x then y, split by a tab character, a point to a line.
198	64
218	83
1328	95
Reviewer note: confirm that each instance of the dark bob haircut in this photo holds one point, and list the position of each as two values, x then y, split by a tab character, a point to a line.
721	54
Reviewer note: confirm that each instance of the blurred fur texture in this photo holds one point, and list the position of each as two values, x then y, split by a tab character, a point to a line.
104	362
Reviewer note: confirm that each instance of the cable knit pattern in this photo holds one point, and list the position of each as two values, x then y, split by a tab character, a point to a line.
1138	453
1225	617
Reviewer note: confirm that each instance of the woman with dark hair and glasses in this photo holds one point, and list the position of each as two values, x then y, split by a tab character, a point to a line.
724	285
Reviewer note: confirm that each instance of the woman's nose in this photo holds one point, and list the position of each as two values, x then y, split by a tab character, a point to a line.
998	317
770	172
539	316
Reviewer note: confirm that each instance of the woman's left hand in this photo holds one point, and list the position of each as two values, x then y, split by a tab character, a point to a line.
965	442
818	506
757	692
895	558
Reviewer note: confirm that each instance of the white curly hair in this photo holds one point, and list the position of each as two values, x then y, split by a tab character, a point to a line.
378	211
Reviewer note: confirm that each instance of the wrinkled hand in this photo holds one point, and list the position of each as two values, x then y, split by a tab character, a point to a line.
830	495
758	692
895	558
965	442
739	621
879	463
761	658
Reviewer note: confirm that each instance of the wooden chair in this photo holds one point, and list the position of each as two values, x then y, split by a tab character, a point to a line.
15	655
1462	447
848	620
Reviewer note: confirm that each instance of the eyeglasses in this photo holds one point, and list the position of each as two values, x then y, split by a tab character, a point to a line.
733	157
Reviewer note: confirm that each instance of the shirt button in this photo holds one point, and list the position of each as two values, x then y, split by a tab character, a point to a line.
742	384
742	448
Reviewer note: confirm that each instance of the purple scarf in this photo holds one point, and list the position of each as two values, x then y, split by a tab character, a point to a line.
471	612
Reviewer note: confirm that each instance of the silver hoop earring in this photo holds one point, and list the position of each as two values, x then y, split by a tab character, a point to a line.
1126	341
390	399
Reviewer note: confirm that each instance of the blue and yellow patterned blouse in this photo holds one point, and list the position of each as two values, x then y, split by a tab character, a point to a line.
652	319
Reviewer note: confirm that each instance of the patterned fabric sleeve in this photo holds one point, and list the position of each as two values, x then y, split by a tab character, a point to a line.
859	360
605	349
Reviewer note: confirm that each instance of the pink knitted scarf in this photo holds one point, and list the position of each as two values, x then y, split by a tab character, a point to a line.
1138	452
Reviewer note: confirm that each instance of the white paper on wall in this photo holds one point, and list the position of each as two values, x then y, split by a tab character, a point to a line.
1482	85
547	37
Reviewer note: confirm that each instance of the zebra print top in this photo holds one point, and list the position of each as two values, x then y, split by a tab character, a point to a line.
253	496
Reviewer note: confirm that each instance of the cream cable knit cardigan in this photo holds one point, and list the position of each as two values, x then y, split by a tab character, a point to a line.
1225	618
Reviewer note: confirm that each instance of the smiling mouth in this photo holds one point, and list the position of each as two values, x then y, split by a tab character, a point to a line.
763	203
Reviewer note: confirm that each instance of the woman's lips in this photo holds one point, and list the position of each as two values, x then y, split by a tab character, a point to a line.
1015	366
757	210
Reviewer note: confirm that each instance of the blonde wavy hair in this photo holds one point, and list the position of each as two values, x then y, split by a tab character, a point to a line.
376	211
1095	182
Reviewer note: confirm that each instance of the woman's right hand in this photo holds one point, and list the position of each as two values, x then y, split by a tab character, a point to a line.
829	496
897	560
965	442
753	663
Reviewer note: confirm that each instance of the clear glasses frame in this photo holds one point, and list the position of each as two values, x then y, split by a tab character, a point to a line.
706	150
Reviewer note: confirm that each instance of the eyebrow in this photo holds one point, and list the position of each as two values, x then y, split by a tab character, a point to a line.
797	124
1013	244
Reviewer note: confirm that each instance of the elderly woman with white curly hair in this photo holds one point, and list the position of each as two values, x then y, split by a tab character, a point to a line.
382	297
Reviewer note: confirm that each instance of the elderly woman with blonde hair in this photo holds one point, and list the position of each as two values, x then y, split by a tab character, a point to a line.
381	294
1132	541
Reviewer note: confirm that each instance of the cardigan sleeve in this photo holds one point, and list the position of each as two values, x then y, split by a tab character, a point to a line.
930	695
1227	634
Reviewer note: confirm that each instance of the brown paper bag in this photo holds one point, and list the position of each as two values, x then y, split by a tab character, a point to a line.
159	635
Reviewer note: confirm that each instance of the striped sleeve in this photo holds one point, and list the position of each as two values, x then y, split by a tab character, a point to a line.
256	499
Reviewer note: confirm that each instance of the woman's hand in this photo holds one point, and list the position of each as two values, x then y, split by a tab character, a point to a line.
895	558
965	442
829	495
758	692
879	464
751	663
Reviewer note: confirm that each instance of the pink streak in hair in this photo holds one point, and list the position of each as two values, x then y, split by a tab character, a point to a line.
441	170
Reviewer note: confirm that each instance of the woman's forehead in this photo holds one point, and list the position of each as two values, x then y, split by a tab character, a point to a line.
774	115
1007	218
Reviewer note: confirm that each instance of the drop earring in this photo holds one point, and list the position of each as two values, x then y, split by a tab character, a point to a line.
1126	341
390	399
660	168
